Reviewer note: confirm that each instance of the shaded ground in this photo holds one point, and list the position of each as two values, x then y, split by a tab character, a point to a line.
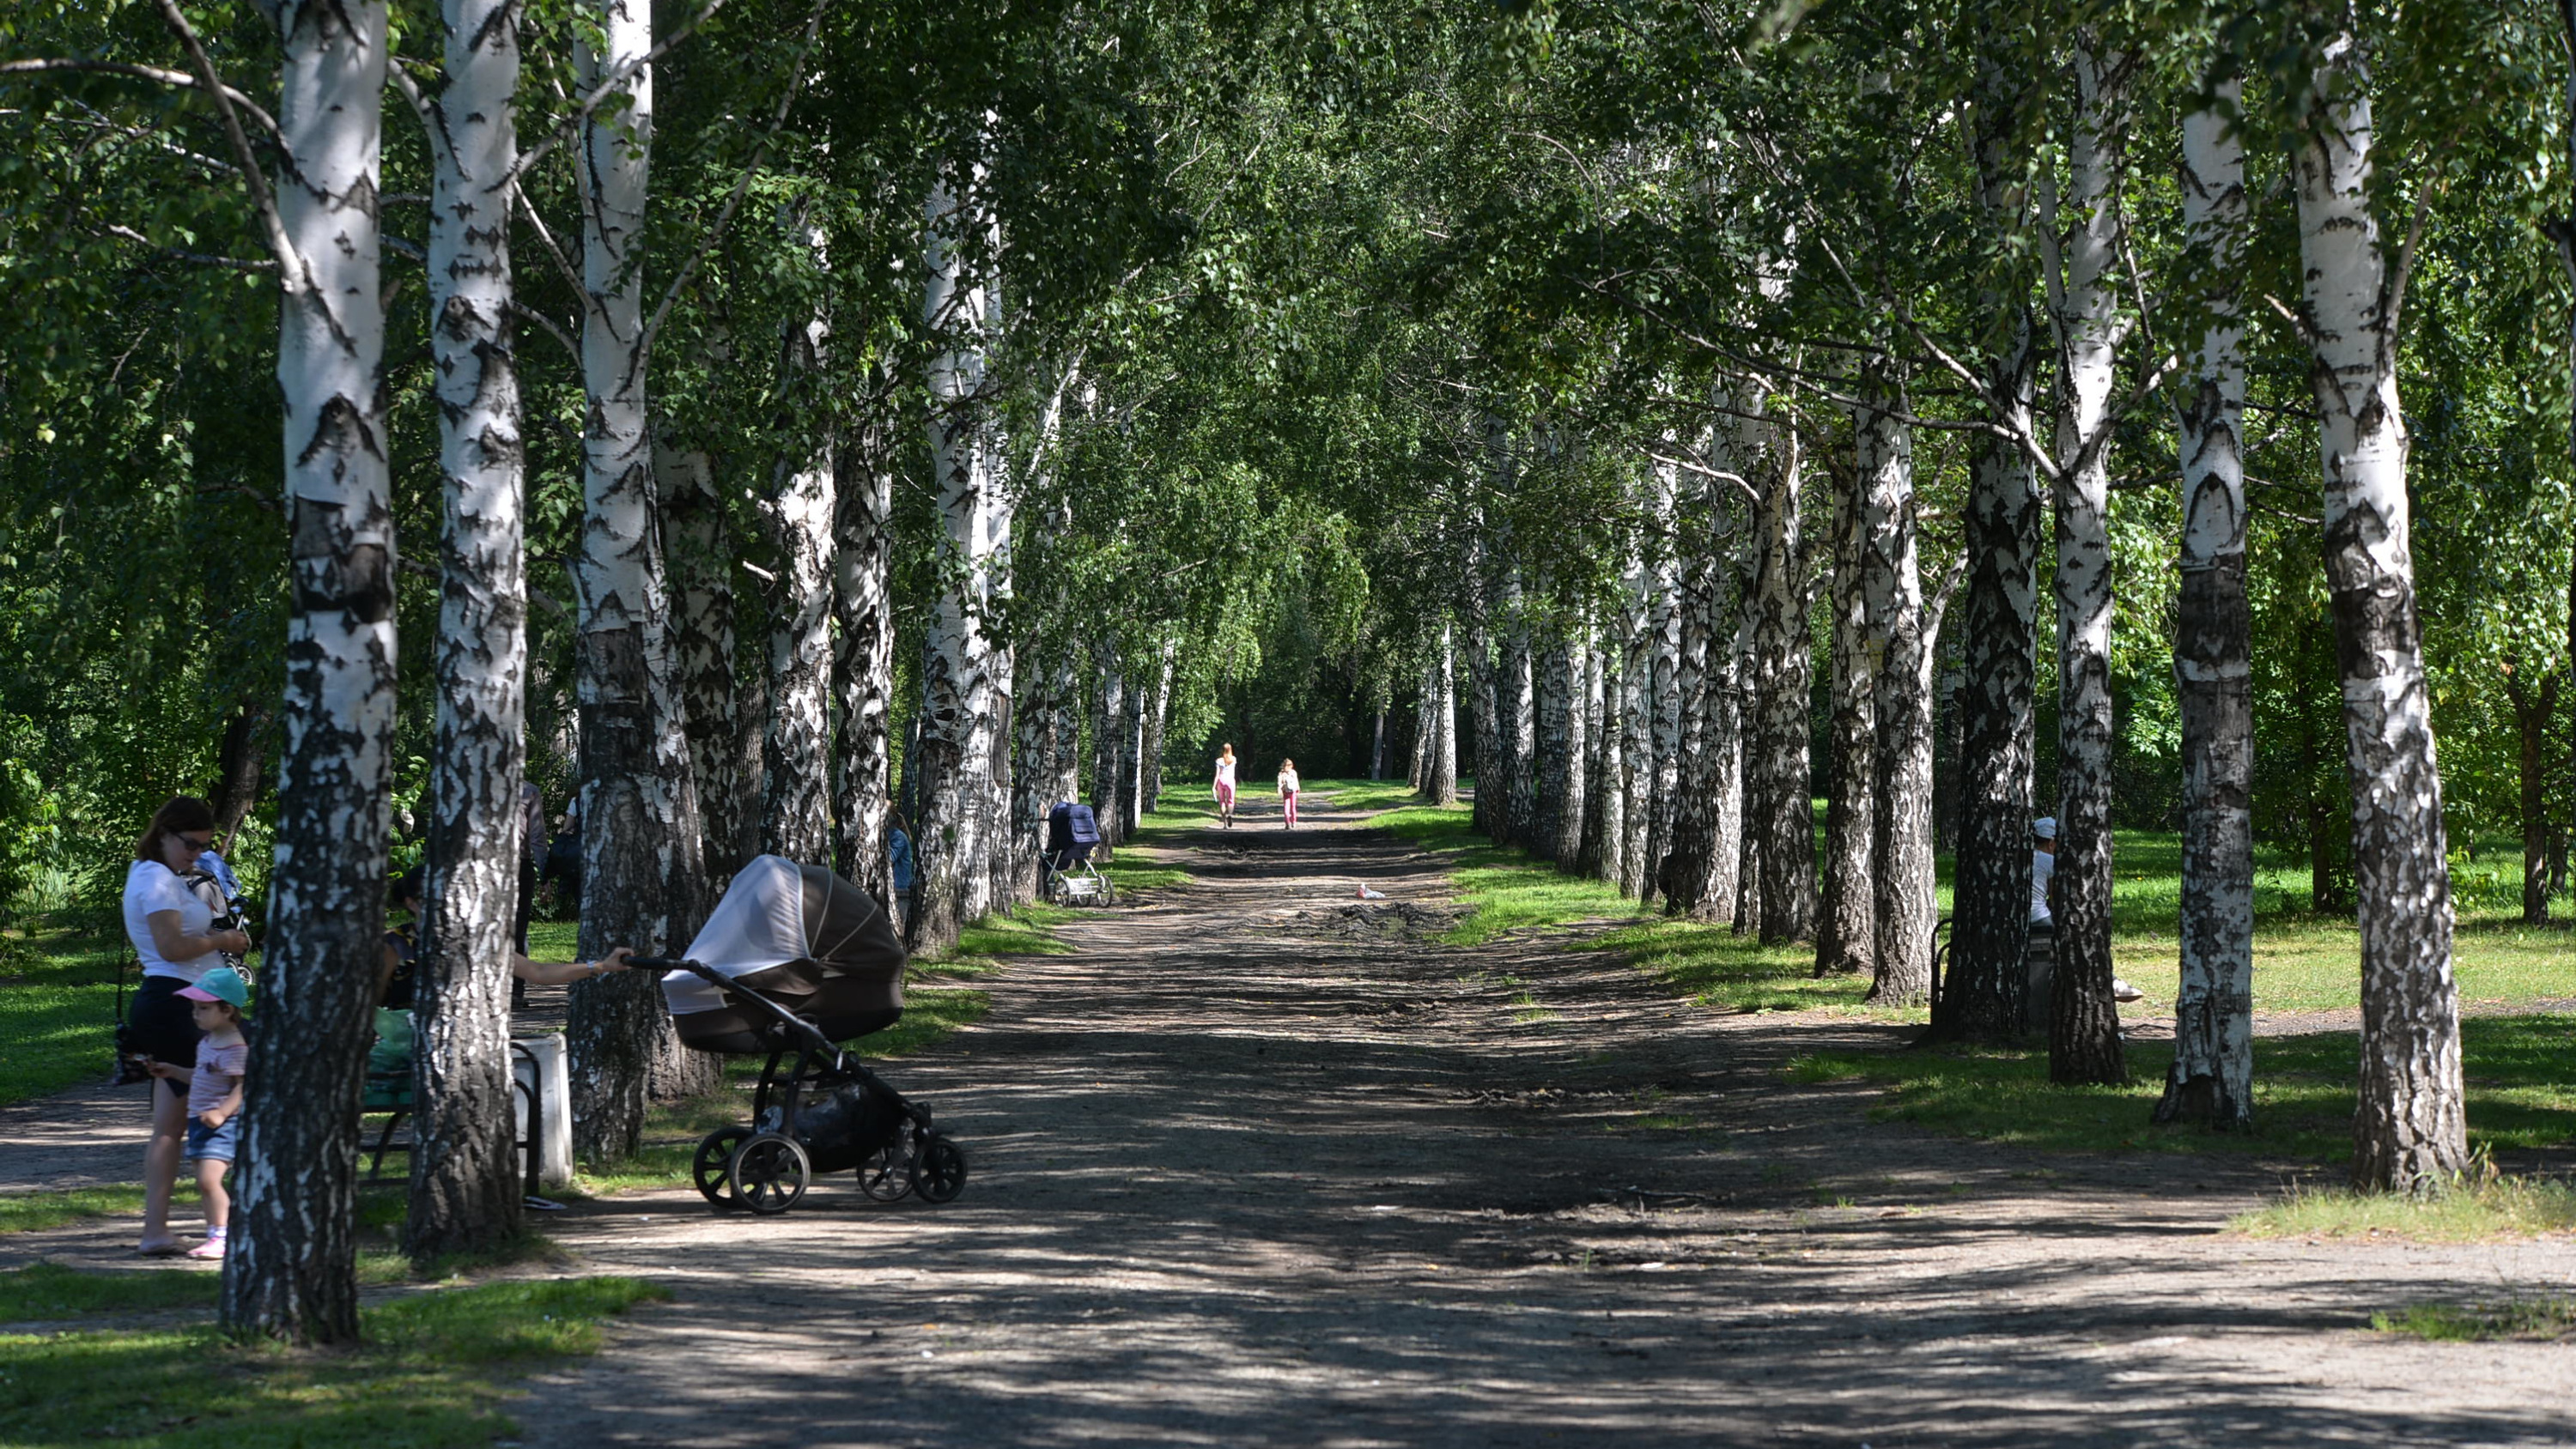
1243	1178
1254	1168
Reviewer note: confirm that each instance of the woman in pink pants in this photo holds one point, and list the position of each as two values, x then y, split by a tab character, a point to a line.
1288	793
1225	787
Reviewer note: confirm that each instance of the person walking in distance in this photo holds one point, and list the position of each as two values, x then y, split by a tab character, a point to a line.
1225	786
1288	794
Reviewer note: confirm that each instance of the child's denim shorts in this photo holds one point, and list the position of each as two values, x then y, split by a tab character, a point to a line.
213	1142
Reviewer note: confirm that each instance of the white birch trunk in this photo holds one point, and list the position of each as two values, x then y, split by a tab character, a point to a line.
1440	783
1903	903
796	816
465	1188
2212	1078
702	625
1109	707
1636	719
863	667
1601	759
1846	930
640	843
2084	1027
953	846
2410	1133
1558	804
292	1270
1983	986
1000	885
1778	809
1664	645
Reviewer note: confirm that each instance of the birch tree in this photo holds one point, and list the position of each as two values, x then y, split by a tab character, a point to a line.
1777	806
2084	1024
863	665
957	693
1898	645
1846	930
292	1269
801	515
640	834
2410	1133
465	1192
2212	1078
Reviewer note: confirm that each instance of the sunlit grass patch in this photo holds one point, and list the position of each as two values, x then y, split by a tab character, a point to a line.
2521	1093
1022	932
1363	794
432	1372
1132	872
1719	968
2504	1207
2541	1319
46	1291
28	1212
58	1000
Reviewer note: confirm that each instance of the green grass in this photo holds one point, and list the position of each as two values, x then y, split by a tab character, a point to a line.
2473	1211
2520	1093
28	1212
47	1291
433	1371
58	1000
2523	1318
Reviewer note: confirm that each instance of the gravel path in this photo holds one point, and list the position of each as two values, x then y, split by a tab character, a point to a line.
1255	1167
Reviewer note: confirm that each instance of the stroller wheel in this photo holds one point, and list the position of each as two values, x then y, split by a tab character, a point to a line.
938	1169
769	1172
713	1169
887	1175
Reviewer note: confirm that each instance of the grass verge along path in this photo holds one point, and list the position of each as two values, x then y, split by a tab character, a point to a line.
434	1369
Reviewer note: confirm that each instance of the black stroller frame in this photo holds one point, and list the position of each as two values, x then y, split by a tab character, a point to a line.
768	1165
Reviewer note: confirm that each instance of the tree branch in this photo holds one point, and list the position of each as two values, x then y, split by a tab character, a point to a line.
608	86
290	266
178	78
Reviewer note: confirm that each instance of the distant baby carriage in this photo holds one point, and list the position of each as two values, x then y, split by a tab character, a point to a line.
793	961
1070	877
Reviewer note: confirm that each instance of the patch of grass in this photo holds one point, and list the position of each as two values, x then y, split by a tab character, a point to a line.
2524	1318
1132	873
1362	794
1023	932
28	1212
2501	1207
58	998
42	1291
2521	1093
432	1372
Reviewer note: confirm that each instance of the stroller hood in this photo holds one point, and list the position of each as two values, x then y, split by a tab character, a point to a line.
1071	824
800	936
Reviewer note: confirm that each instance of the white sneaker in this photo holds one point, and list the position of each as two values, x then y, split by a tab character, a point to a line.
2123	991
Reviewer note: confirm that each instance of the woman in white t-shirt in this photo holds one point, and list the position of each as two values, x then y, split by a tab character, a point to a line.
1288	794
172	930
1225	786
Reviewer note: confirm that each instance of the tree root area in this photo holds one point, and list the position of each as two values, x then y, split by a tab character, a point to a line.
1249	1169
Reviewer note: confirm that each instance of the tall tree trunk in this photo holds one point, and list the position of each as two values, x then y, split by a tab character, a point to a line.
1065	779
1704	817
863	665
702	626
1490	768
1516	711
1110	708
953	848
639	827
1007	867
1559	800
1982	992
1601	763
1158	713
2410	1133
1782	665
465	1191
292	1271
1903	906
1846	928
2212	1078
1636	719
1131	761
2084	1022
1664	643
1440	767
796	816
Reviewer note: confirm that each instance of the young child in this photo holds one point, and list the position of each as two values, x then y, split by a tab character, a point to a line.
214	1094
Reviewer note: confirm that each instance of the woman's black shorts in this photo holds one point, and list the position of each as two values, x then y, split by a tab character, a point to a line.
163	1026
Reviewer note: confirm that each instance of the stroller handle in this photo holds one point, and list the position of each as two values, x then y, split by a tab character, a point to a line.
672	963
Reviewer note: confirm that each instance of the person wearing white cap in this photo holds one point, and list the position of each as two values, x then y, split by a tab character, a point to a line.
2043	867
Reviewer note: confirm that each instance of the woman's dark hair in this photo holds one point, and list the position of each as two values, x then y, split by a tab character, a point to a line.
184	813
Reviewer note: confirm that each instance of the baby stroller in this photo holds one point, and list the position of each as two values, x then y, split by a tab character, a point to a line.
1070	877
793	961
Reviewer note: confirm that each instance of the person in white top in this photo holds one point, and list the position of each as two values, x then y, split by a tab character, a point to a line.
2043	872
172	931
1288	794
1225	786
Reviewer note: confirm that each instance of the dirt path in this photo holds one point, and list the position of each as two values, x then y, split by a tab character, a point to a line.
1242	1178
